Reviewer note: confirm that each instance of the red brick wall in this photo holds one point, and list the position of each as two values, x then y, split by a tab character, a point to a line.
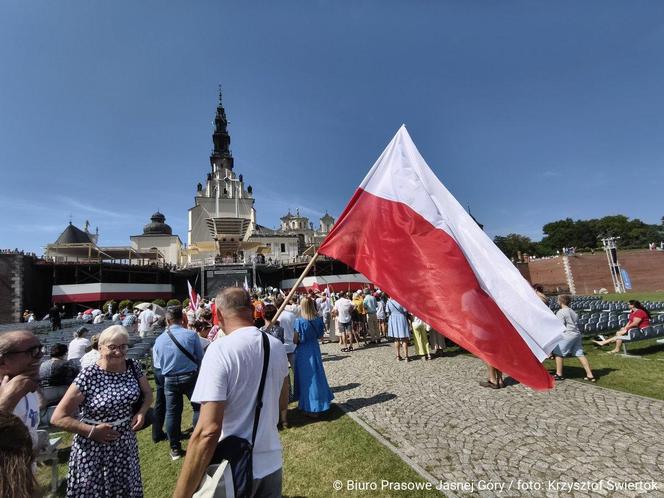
549	273
591	271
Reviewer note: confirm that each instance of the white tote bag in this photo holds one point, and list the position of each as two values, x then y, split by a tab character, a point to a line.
217	482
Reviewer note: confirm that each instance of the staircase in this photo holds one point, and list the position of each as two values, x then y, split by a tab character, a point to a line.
568	274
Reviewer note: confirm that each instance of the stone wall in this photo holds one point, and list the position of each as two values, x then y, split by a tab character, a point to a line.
11	287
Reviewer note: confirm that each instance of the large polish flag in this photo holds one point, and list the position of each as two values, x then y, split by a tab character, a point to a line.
406	233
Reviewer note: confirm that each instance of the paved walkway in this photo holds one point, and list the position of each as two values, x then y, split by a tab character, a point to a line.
436	413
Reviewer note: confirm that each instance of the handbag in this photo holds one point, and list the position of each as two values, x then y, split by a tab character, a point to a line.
217	482
236	451
149	415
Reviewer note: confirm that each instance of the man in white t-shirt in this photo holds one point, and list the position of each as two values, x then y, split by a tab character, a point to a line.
287	322
20	356
324	308
227	390
78	346
342	311
146	321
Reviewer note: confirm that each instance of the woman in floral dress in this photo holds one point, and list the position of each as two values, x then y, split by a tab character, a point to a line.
104	454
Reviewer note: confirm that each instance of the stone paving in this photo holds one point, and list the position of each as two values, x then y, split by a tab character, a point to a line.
436	413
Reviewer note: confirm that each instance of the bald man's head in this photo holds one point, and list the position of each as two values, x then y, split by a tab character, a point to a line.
20	353
234	301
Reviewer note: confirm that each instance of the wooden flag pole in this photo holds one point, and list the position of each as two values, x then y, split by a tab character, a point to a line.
297	284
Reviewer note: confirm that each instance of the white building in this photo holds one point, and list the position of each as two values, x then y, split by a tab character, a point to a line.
157	235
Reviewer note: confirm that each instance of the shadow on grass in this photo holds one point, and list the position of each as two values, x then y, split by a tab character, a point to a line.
577	372
345	387
297	418
356	403
652	349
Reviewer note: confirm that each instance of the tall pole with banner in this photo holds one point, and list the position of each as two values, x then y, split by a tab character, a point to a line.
611	250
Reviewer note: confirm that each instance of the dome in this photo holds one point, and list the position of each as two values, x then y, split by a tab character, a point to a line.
157	225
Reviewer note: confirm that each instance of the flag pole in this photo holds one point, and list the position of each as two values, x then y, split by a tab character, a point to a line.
295	286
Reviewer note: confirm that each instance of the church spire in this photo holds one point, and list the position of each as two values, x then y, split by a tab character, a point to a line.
221	156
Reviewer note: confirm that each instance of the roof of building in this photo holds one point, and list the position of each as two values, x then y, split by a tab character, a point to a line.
157	225
73	235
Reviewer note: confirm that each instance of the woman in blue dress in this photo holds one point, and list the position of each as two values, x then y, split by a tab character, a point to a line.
311	388
397	328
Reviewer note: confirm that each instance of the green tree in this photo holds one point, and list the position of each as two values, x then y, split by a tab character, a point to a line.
513	244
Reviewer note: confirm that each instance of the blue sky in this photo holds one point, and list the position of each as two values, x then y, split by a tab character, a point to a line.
527	111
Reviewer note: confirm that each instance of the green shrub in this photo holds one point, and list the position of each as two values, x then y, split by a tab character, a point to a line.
185	303
126	303
159	302
106	305
173	302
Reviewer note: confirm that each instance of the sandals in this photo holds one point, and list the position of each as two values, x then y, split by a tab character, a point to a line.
399	358
590	379
558	377
489	384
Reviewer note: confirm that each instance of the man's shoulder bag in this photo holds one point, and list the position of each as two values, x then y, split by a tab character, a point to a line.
237	451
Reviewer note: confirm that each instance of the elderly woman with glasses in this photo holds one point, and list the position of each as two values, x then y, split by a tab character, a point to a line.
104	454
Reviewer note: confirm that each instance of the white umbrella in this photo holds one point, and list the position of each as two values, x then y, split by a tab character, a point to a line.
155	307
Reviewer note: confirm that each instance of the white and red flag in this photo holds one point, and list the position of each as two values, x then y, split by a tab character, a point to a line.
193	297
406	233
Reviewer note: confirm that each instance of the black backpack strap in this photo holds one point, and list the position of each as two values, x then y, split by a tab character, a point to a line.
180	347
259	401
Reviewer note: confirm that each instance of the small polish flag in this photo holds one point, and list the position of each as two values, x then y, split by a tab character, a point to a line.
193	297
426	242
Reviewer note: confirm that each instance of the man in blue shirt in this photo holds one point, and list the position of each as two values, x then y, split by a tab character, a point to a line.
177	354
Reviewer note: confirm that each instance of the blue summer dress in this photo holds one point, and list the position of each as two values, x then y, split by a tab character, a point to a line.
397	324
311	388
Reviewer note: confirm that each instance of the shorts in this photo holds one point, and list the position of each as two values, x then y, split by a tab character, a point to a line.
569	346
345	327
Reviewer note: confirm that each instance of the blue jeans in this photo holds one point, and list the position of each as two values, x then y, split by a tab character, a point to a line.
175	387
159	407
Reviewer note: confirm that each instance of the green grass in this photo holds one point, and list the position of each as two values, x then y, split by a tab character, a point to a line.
639	296
641	375
316	453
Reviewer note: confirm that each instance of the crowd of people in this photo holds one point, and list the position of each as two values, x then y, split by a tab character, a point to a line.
219	357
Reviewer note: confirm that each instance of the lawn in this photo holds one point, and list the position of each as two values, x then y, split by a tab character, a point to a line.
639	296
316	453
642	374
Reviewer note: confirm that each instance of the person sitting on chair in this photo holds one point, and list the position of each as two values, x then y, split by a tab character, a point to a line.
638	318
57	371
